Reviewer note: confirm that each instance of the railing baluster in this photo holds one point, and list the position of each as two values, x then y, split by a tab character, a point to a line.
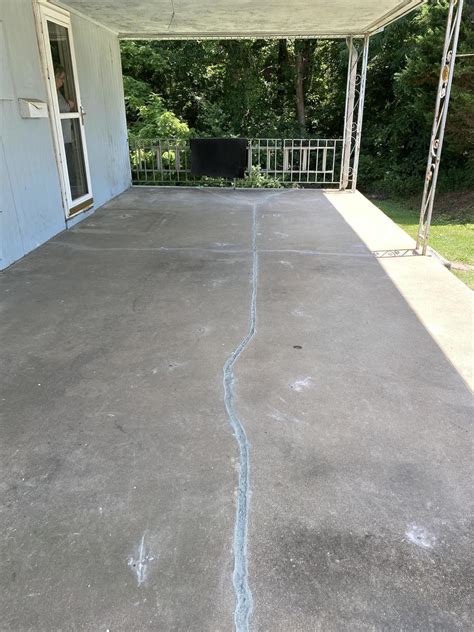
277	154
316	179
333	165
144	162
292	154
152	158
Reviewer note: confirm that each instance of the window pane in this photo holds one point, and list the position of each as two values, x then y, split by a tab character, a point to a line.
75	157
62	63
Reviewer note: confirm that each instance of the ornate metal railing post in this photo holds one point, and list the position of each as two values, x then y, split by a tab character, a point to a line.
360	111
355	95
349	112
439	123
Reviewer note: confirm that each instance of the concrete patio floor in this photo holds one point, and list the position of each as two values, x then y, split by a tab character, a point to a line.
133	386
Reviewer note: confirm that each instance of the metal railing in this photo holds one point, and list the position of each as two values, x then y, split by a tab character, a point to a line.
312	161
302	161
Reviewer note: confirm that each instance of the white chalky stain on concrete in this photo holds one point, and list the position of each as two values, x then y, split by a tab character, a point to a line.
217	283
287	263
140	565
302	384
299	312
284	417
420	536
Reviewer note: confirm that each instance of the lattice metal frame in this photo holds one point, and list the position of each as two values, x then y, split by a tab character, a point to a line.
439	123
354	111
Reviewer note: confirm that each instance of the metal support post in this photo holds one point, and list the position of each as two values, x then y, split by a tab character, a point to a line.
439	123
354	113
349	112
360	112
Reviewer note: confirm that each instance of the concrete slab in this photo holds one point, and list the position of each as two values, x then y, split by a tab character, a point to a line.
121	471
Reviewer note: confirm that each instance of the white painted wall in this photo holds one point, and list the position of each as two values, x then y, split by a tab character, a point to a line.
99	69
30	201
31	210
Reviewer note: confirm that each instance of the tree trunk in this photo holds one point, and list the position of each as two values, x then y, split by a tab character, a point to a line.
302	56
300	108
282	67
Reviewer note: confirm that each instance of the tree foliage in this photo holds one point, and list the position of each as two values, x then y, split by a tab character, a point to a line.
288	88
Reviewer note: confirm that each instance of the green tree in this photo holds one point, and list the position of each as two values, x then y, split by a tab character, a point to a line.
287	88
401	92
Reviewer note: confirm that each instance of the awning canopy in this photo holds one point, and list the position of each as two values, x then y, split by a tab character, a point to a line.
216	19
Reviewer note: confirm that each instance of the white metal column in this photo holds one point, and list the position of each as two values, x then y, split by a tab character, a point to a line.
439	123
360	112
349	112
355	96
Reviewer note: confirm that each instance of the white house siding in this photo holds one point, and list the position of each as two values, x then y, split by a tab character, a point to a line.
99	69
31	210
30	202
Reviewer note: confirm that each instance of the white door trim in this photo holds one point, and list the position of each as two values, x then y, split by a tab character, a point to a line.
45	12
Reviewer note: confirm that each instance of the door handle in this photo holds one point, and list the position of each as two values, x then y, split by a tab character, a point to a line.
82	113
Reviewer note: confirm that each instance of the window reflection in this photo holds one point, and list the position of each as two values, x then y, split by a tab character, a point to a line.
67	103
75	158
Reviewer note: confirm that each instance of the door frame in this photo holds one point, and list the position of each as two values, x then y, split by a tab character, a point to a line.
45	12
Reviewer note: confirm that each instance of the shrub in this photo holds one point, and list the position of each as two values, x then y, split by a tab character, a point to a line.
258	180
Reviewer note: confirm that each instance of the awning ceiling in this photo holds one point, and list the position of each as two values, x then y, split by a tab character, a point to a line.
199	19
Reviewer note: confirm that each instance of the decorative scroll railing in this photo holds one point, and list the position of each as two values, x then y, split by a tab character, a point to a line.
439	122
354	113
302	161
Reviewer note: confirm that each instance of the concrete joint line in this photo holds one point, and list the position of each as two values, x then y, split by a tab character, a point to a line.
221	251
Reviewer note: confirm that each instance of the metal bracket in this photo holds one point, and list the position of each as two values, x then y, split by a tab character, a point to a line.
439	123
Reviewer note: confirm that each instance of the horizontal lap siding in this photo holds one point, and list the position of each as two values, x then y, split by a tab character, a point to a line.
30	200
100	79
31	210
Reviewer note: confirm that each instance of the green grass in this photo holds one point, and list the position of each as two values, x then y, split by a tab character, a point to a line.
451	233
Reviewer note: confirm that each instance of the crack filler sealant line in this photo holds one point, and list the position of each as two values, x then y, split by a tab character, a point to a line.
243	595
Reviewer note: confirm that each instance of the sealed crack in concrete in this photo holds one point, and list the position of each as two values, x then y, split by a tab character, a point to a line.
243	595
